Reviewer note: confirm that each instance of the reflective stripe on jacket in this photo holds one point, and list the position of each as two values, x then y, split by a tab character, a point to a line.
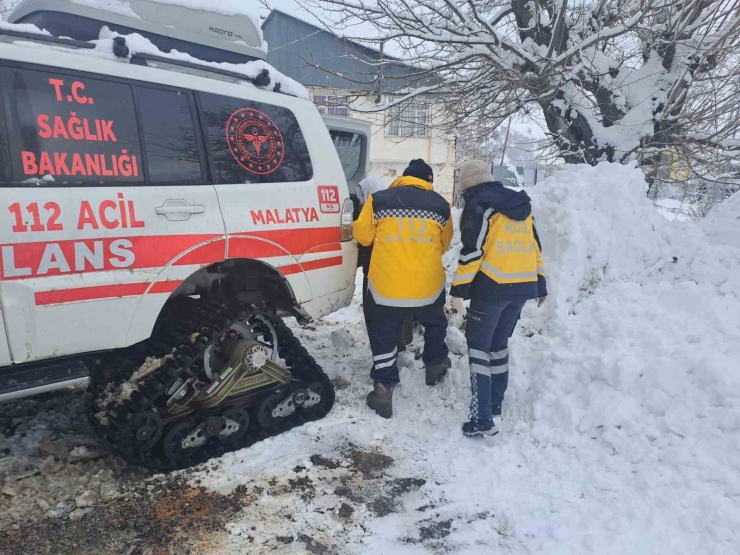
410	228
502	255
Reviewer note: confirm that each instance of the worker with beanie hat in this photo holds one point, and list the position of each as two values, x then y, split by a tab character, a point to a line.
420	169
500	269
410	228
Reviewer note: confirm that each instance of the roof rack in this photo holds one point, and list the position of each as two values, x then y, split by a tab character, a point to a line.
262	80
47	38
121	50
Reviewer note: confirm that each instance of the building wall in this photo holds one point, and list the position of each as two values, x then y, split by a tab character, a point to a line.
389	155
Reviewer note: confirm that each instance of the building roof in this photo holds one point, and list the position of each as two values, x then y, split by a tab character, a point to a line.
316	57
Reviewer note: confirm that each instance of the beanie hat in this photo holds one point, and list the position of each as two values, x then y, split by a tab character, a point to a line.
473	173
419	168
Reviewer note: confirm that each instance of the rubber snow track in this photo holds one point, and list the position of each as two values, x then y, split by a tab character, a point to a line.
185	329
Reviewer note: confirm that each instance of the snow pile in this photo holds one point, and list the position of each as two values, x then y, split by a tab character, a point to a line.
722	224
597	225
640	353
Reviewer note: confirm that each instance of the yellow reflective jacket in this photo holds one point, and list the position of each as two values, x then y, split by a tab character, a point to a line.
410	228
502	255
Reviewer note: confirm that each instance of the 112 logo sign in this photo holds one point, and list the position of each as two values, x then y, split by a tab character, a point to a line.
329	199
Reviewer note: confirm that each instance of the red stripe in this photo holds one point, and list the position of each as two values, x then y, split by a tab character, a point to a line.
148	251
300	241
44	298
98	292
157	251
204	255
254	247
164	287
90	293
312	265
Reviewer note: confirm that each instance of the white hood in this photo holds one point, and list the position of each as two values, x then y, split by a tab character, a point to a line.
369	186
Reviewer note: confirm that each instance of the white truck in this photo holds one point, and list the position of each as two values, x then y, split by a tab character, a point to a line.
168	199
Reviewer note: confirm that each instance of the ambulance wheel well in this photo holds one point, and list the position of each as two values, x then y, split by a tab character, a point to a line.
245	279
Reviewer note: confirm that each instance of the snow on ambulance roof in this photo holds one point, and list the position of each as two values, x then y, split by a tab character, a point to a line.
138	44
141	45
219	31
223	7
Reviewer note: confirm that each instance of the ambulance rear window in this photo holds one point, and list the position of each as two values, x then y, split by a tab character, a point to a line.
71	129
253	142
349	148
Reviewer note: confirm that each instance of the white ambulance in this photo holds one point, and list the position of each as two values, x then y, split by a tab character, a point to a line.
168	196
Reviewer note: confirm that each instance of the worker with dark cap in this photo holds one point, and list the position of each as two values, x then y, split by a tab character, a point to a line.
410	228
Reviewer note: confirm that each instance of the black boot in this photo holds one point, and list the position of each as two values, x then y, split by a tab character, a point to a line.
437	372
474	428
381	400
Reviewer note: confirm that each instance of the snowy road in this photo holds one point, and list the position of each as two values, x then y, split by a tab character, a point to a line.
622	421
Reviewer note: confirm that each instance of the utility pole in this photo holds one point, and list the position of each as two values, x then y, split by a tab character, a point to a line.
379	83
506	142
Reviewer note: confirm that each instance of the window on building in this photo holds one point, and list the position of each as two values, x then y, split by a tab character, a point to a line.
332	105
408	120
170	139
254	142
70	128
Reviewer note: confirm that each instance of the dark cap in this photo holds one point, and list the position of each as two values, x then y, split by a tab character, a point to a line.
419	168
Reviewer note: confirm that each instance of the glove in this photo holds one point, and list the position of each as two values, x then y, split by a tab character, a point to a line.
458	306
541	301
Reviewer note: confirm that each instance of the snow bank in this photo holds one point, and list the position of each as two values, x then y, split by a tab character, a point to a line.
640	348
722	224
597	226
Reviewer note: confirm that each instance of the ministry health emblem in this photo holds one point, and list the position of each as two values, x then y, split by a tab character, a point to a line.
255	141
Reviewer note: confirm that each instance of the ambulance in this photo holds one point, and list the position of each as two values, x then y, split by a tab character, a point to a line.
169	198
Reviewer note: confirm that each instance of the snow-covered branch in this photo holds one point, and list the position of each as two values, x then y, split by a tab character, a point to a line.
615	80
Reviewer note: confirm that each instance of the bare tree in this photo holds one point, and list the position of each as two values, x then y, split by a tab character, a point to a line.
6	6
616	80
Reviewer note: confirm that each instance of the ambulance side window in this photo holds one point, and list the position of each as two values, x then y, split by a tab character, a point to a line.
68	128
253	142
170	140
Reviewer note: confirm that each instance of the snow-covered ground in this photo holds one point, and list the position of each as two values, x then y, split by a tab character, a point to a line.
622	422
622	419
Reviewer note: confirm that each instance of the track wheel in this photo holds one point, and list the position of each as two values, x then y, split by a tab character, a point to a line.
146	429
264	412
241	417
319	389
172	444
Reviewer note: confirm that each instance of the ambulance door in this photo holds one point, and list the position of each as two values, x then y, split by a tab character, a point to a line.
108	212
269	197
